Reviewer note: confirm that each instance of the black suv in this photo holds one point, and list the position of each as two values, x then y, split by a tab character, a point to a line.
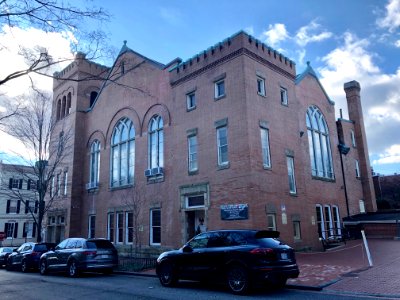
27	256
239	257
76	255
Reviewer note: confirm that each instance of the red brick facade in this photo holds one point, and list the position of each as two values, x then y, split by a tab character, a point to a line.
139	89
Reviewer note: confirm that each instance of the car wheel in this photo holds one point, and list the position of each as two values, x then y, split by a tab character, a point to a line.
167	275
24	266
9	265
73	269
281	283
108	271
43	267
238	280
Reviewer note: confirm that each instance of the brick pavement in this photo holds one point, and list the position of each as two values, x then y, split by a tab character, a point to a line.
319	269
383	279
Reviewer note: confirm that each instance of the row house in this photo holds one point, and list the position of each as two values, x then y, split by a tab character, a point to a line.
18	204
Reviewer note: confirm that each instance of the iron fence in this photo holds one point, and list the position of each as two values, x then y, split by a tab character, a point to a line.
136	264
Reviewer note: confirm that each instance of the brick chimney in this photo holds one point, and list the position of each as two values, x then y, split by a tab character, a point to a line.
352	90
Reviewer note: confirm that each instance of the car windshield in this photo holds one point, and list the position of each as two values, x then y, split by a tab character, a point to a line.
102	244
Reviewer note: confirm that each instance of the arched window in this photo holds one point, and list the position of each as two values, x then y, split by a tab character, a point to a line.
318	141
94	164
68	109
93	96
64	103
58	109
156	142
123	153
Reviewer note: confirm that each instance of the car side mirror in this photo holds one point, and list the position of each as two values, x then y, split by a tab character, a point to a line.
187	249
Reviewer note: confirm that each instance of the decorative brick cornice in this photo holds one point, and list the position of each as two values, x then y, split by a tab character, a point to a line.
268	64
208	67
233	55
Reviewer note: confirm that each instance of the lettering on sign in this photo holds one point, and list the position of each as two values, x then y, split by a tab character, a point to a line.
234	212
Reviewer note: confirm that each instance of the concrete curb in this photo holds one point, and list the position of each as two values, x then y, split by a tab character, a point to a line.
304	287
135	274
358	294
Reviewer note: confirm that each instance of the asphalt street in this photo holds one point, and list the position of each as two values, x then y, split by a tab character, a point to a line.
17	285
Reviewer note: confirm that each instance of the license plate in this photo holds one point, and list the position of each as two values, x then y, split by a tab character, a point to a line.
284	256
104	256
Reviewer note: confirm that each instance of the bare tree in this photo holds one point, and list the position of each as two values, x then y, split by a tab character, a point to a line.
47	148
133	200
8	110
53	16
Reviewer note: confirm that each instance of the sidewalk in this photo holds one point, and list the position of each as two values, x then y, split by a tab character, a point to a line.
346	269
320	269
382	279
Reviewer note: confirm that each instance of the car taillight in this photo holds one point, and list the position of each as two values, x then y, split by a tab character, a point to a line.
262	251
89	253
33	253
265	252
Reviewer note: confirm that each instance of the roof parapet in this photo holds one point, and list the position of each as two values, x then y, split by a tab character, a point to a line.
254	44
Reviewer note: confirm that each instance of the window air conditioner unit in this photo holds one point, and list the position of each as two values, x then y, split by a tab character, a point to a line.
91	185
147	173
157	171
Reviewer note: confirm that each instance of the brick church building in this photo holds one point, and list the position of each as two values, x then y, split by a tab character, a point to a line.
233	136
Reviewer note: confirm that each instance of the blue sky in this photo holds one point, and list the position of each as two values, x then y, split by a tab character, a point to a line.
343	40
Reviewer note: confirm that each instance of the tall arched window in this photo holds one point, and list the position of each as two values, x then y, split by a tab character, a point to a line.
58	109
318	141
64	104
93	96
123	153
94	164
156	142
68	108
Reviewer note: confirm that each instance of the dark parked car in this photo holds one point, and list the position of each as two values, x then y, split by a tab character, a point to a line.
75	255
240	258
4	253
27	256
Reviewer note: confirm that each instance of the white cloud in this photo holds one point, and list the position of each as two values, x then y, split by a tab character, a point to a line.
390	156
397	43
391	20
12	41
310	33
380	92
350	61
301	55
275	34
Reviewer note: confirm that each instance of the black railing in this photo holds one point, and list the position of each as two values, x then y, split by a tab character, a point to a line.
332	238
136	264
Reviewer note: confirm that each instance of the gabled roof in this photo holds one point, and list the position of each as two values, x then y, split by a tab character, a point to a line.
126	49
310	71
